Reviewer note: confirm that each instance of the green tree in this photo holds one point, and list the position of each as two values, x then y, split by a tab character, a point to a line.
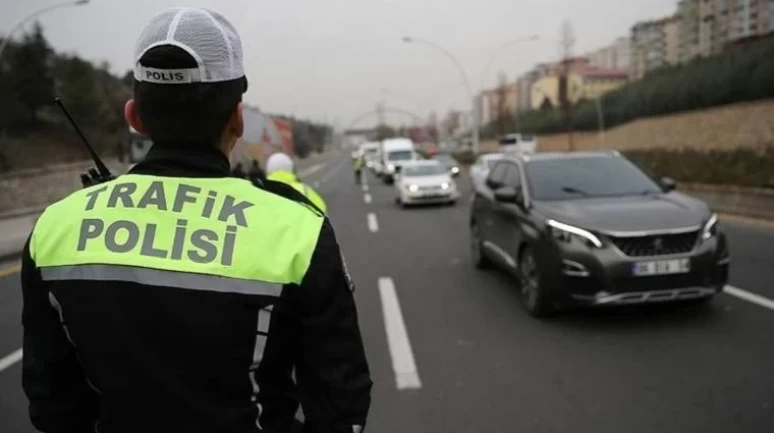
76	84
30	66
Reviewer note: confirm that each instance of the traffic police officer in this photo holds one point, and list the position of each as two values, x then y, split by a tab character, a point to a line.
178	298
280	168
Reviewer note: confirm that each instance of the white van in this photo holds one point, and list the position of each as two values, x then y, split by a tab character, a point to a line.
518	143
396	152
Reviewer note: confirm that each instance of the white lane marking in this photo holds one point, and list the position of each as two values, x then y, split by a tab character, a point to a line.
749	297
406	376
367	198
313	169
11	359
365	187
373	224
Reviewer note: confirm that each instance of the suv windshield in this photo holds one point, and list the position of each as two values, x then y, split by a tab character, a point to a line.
400	155
583	177
423	170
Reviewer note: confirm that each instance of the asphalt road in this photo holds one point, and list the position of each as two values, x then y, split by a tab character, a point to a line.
470	359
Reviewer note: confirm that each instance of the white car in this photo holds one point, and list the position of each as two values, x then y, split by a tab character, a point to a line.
480	169
425	181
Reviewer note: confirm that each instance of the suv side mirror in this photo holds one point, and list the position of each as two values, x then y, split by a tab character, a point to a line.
492	184
506	194
668	184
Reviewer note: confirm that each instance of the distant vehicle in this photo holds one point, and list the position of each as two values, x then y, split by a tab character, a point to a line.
370	152
480	169
425	181
394	153
448	161
518	143
139	146
593	229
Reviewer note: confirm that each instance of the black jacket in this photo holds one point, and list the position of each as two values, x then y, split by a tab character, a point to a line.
118	357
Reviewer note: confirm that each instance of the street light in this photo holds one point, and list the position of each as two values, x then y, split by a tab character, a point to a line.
502	48
471	96
34	15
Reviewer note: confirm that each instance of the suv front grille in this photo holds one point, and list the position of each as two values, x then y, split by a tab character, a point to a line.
656	245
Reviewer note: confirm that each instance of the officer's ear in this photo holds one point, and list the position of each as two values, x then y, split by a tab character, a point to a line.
132	118
236	124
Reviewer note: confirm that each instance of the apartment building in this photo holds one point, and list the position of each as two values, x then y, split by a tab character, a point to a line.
654	44
614	56
708	27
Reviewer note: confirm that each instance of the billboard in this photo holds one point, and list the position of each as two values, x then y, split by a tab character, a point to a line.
285	129
263	136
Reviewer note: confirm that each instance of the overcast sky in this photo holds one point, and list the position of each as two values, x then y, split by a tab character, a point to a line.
334	59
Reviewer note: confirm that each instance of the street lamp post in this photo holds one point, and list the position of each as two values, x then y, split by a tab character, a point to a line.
468	88
34	15
472	97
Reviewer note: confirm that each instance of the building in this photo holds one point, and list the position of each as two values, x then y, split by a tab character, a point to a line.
708	27
614	56
524	85
587	83
493	108
654	44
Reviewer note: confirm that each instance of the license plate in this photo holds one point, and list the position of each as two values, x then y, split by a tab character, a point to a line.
661	267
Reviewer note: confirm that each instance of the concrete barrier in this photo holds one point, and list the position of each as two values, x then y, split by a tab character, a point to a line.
750	202
27	191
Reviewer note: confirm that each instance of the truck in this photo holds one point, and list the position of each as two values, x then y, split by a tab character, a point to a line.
518	143
394	153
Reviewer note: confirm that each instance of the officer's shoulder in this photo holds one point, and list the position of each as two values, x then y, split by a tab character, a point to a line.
289	193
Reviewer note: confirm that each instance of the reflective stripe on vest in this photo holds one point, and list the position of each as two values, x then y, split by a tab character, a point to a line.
219	234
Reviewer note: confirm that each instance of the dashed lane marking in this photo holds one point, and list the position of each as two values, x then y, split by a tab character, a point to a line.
406	375
10	360
367	198
373	224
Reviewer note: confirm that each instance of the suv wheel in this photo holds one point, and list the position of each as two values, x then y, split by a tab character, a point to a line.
480	260
534	300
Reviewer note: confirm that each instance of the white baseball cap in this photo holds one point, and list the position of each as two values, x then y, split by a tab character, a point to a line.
206	35
279	162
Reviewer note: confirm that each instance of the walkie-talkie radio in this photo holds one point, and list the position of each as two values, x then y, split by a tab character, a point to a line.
93	176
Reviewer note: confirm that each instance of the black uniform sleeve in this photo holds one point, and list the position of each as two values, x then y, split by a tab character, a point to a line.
332	372
61	400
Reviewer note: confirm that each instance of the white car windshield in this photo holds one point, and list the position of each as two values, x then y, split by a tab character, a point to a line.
400	155
424	170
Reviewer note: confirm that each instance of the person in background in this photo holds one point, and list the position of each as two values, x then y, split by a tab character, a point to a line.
256	174
280	168
357	164
238	171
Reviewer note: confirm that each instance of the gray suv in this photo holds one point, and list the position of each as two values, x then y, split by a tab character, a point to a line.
592	229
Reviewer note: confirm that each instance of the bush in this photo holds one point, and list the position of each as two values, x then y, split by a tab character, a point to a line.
742	167
741	74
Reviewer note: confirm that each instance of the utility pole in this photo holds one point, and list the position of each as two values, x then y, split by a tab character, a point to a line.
567	42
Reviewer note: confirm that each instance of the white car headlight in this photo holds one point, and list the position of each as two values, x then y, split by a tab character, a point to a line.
445	185
390	167
455	170
413	188
565	233
710	228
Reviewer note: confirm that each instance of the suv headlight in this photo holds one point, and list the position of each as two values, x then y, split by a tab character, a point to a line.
390	167
565	232
445	186
413	188
710	228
